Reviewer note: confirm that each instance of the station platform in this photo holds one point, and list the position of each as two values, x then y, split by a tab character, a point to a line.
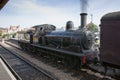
5	72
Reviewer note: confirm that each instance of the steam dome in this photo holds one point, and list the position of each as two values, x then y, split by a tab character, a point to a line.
69	25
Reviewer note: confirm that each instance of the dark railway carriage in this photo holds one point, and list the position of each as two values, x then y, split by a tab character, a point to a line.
110	39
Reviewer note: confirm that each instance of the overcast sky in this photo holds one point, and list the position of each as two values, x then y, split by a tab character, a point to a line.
27	13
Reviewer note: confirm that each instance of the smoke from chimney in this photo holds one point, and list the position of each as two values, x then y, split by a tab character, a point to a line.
84	5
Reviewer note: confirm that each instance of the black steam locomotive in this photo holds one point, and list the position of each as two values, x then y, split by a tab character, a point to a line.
75	47
81	39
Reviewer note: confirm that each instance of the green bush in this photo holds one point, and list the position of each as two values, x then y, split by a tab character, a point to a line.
6	35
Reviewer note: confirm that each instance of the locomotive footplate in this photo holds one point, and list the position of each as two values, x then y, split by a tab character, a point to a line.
73	59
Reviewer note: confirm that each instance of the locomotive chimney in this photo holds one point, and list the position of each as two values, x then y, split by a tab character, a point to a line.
84	5
83	19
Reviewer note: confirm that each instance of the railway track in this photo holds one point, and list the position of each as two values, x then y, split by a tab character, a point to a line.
25	69
12	73
88	71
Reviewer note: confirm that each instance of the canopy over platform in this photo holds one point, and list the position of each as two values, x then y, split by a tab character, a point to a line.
2	3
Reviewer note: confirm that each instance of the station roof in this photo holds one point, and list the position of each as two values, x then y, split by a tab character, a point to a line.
2	3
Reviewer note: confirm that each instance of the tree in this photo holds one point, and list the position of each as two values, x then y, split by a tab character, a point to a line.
0	33
92	27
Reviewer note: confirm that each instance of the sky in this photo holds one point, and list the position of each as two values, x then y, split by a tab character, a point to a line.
28	13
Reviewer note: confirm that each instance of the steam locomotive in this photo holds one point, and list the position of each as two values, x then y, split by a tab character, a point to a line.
74	46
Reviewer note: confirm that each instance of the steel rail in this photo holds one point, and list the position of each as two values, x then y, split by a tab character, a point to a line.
31	64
